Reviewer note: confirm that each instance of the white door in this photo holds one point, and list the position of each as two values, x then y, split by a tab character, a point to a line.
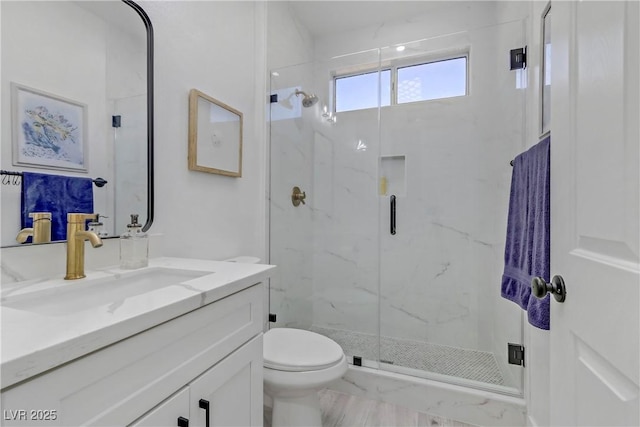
595	217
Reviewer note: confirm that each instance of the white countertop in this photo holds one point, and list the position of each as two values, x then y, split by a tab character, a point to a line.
34	342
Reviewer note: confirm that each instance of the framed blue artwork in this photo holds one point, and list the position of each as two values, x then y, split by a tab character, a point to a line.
48	131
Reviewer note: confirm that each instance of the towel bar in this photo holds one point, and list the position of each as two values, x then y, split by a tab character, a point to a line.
98	182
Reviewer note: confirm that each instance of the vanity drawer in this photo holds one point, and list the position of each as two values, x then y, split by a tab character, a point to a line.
117	384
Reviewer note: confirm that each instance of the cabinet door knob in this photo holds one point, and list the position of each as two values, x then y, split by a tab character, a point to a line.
183	422
204	404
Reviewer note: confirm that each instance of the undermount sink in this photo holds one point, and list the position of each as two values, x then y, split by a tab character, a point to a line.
84	294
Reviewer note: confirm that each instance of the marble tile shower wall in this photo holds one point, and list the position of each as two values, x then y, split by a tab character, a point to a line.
345	223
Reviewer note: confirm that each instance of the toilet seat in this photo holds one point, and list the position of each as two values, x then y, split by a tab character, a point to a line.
297	350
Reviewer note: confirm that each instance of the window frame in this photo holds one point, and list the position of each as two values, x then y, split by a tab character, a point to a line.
393	67
360	72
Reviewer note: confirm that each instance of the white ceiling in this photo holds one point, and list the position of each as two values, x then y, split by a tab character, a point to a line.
322	17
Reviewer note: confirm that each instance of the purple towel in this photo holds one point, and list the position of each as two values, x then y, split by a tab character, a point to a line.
527	249
57	194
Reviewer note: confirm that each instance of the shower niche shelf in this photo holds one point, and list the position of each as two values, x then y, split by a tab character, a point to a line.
393	178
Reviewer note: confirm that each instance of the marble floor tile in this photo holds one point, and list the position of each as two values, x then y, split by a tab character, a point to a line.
345	410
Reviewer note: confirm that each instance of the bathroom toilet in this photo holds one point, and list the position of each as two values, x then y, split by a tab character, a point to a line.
297	364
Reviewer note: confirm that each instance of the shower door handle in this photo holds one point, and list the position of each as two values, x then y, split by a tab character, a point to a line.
392	216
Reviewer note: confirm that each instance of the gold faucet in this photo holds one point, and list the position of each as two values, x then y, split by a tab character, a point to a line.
41	230
76	235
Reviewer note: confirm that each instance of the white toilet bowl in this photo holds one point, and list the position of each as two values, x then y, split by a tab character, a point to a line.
297	364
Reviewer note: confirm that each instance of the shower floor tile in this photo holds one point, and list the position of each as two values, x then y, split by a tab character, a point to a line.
457	362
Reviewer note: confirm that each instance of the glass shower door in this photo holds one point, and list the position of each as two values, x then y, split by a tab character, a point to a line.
446	163
326	248
290	231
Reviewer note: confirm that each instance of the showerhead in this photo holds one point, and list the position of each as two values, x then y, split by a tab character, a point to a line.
307	100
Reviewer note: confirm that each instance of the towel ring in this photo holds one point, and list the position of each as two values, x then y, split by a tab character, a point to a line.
540	288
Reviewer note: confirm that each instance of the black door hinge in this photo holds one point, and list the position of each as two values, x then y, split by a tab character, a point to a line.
116	121
515	354
273	98
272	317
519	58
357	361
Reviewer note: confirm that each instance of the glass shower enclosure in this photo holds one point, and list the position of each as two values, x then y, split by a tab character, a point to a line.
396	251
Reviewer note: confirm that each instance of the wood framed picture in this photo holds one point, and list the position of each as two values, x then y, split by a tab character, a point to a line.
215	136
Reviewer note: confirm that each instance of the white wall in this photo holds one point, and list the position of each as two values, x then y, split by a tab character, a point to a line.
217	48
289	41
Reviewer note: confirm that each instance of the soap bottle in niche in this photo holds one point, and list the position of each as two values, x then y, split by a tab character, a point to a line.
134	246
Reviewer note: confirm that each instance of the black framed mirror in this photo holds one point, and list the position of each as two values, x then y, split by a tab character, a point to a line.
150	171
96	56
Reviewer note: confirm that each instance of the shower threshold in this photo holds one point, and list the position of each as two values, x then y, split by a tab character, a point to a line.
440	359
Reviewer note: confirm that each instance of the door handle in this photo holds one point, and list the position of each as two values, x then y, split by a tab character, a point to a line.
204	404
392	216
540	288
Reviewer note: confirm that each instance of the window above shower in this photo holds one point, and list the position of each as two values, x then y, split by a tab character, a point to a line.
401	83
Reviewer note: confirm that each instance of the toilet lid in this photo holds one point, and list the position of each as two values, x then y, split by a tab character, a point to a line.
287	349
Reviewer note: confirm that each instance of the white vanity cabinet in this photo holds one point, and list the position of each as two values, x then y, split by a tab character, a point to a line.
229	394
152	378
167	413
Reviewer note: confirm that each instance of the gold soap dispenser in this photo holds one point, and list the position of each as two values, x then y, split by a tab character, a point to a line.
134	246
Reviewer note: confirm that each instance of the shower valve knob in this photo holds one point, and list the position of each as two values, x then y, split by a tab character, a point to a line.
540	288
298	196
